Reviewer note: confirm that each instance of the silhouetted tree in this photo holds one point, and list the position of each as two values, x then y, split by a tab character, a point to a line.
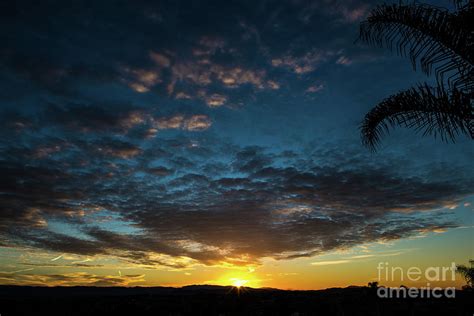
467	273
438	41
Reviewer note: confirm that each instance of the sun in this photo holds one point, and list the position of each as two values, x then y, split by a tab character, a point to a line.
238	282
238	279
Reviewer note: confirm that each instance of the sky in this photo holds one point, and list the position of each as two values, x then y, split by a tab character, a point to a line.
168	143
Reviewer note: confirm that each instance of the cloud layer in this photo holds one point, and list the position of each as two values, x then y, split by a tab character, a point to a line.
178	204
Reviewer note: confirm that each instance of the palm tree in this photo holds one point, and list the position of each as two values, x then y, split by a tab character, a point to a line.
467	273
439	42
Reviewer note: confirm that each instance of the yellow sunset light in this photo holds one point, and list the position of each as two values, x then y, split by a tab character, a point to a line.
238	282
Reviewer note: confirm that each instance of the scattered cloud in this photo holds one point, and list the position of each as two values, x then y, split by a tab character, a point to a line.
215	100
70	279
327	263
273	84
303	64
354	14
57	258
343	60
118	149
191	123
197	123
142	79
315	88
160	60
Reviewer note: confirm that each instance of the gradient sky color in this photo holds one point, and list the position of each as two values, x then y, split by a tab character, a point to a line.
207	142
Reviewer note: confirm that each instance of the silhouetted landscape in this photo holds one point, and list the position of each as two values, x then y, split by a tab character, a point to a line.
220	300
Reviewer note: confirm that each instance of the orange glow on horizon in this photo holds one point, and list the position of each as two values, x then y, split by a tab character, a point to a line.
239	282
238	279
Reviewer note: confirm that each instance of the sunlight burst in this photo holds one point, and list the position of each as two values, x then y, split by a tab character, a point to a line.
238	282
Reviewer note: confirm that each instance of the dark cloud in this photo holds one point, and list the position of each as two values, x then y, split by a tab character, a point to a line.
52	265
159	171
223	51
47	73
259	208
69	279
86	117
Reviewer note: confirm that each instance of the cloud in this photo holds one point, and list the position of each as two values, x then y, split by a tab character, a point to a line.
95	118
357	257
177	216
46	151
160	171
69	279
45	72
197	123
315	88
57	258
343	60
119	149
345	11
173	122
190	80
52	265
160	59
191	123
232	61
273	84
201	76
354	14
302	64
215	100
193	77
142	79
235	77
327	263
209	46
107	120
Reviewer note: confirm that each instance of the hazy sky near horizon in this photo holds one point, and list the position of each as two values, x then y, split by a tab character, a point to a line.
183	142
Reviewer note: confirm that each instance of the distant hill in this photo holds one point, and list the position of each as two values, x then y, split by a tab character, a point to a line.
209	300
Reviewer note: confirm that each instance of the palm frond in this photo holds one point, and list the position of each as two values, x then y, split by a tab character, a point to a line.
438	40
467	272
430	110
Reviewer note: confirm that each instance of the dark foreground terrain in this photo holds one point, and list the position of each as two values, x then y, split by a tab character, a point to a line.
216	300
